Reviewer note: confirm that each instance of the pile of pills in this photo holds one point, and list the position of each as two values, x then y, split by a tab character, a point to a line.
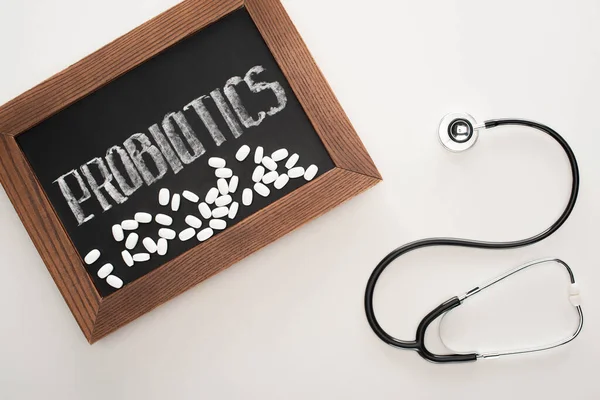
215	209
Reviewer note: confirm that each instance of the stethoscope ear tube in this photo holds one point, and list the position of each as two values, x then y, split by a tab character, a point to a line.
458	128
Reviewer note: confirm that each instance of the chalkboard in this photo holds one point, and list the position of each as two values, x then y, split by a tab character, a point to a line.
158	107
174	152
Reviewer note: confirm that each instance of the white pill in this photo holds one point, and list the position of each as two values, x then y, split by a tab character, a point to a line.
141	257
105	271
186	234
220	212
296	172
258	173
224	173
127	258
212	195
217	224
233	209
166	233
269	163
130	224
205	210
270	177
190	196
223	186
258	154
92	257
242	153
162	246
150	245
233	183
163	219
261	189
281	181
114	281
175	202
117	232
163	196
292	161
223	201
192	221
142	217
279	155
216	162
247	197
311	172
204	234
132	240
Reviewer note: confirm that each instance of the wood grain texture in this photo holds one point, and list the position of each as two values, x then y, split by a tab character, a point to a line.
48	235
110	62
211	257
311	87
97	317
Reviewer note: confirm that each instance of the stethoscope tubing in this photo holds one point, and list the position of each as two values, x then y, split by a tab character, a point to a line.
418	343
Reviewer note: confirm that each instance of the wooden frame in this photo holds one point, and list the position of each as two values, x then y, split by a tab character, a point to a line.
98	316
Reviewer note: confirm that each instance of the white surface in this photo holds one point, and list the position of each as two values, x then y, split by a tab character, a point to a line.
279	326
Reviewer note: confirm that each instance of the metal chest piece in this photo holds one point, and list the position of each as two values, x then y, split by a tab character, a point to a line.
458	131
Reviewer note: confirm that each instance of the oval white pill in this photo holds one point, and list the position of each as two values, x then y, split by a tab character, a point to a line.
192	221
247	197
162	246
186	234
296	172
127	258
269	163
311	172
224	173
205	210
142	217
130	224
212	195
258	173
217	224
175	202
141	257
292	161
163	196
220	212
190	196
223	201
242	153
204	234
233	209
118	233
166	233
281	181
105	271
261	189
233	183
132	240
223	186
279	155
114	281
150	245
258	154
216	162
92	257
163	219
270	177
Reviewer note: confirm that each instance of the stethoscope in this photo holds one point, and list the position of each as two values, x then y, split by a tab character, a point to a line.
459	132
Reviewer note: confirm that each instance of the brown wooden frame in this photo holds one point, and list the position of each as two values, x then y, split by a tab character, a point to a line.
98	316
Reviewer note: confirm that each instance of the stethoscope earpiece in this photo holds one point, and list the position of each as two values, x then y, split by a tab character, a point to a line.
458	132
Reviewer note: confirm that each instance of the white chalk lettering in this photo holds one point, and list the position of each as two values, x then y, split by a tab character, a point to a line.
106	183
137	155
207	119
188	134
227	113
73	202
257	87
166	148
134	176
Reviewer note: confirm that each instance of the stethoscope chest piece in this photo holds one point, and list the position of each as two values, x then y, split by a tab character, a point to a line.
458	131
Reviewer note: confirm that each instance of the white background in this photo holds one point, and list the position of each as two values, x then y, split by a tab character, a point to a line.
279	326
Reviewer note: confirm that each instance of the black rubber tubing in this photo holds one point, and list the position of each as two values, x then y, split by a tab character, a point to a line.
418	344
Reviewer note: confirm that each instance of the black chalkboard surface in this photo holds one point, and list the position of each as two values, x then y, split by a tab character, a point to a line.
204	97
